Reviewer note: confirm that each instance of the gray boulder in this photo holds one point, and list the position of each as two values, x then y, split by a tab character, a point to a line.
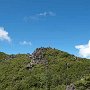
70	87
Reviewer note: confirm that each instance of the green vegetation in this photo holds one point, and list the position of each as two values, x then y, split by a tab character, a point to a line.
60	69
3	56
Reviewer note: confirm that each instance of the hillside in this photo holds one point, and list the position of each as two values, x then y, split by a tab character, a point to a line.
44	69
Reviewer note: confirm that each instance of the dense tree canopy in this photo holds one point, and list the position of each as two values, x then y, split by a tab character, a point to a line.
57	70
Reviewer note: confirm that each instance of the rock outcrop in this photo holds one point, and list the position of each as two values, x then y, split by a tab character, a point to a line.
37	57
70	87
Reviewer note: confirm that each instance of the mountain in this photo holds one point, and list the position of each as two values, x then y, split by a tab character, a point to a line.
44	69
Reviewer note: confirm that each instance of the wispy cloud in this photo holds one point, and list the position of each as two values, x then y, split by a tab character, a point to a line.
4	35
25	43
84	50
47	14
39	16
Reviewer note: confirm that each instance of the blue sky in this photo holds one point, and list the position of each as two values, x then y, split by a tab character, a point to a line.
29	24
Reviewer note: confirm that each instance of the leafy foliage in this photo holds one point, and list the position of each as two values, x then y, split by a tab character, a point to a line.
60	69
3	56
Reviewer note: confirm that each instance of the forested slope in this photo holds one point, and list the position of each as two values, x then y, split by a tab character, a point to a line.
44	69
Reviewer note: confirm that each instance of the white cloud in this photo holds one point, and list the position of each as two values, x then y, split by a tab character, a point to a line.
4	35
25	43
47	14
42	14
39	16
84	50
52	13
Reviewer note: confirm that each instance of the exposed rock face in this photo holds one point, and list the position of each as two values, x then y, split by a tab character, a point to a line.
29	66
37	57
70	87
38	53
